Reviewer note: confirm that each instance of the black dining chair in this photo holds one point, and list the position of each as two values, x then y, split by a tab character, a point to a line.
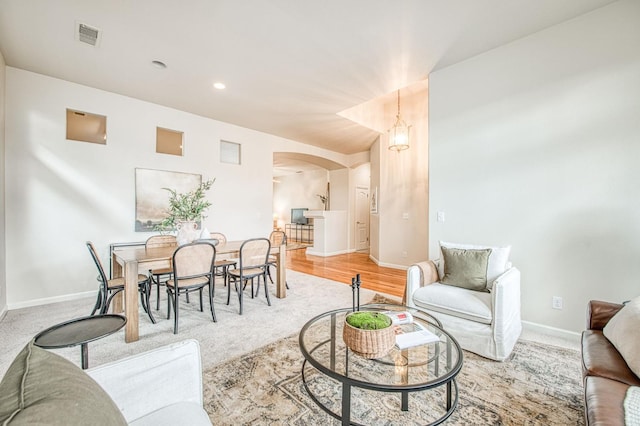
110	287
253	264
222	265
159	276
193	269
277	239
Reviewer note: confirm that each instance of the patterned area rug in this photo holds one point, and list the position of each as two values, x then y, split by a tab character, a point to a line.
537	385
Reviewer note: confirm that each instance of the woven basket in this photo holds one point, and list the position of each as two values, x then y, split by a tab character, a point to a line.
369	343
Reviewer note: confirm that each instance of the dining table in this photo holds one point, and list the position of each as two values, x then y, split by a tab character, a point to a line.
129	262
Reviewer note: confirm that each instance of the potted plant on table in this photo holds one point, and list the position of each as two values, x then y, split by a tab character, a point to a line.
368	334
185	211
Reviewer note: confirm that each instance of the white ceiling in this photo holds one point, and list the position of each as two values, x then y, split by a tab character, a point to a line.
289	65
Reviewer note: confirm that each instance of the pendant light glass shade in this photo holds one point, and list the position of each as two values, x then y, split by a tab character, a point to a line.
399	133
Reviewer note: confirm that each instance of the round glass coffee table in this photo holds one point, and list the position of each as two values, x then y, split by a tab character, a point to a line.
330	370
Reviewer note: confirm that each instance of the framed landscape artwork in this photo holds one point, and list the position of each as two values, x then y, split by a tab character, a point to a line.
152	201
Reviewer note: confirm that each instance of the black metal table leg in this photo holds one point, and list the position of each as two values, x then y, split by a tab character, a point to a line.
405	401
449	361
332	362
405	380
84	353
346	404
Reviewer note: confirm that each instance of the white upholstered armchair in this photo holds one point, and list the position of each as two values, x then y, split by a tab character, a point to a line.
485	320
160	387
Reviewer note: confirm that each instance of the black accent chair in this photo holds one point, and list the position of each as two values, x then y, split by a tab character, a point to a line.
109	288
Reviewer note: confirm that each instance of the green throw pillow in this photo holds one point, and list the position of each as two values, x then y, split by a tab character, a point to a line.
42	388
466	268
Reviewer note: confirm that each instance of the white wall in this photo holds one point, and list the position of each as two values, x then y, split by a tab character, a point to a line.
360	176
374	218
3	264
536	144
399	232
339	180
61	193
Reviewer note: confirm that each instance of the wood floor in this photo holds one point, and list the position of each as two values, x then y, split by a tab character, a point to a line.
343	267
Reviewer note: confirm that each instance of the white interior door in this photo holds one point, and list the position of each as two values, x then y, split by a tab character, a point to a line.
362	218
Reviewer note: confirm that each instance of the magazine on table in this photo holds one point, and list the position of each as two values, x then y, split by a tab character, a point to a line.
409	333
399	317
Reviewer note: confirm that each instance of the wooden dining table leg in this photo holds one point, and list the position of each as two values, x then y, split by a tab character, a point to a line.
281	274
131	301
117	303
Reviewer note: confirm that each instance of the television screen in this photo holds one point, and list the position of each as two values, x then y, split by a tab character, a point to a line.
297	216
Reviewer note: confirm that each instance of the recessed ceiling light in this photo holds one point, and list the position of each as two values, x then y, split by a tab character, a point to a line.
219	85
159	64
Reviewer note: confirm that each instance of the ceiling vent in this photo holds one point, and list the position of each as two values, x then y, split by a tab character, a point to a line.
87	34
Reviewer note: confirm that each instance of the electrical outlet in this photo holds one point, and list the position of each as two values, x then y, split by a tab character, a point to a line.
440	217
556	302
404	254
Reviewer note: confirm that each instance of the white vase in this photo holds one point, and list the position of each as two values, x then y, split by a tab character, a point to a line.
187	232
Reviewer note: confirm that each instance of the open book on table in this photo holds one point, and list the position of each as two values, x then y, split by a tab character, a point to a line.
409	333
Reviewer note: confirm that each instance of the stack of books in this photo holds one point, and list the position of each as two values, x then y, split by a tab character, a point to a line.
408	332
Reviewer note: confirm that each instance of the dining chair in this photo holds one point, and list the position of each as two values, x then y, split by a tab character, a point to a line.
222	265
253	264
110	287
277	239
159	276
193	269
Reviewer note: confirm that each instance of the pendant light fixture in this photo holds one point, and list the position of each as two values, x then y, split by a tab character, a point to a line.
399	133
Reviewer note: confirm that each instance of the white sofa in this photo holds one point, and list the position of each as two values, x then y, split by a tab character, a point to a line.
485	323
159	387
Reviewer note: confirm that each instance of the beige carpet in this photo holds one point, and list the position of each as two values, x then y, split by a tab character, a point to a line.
231	336
537	385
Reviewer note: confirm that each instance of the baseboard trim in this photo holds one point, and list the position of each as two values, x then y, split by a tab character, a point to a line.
326	254
387	265
48	300
394	266
551	331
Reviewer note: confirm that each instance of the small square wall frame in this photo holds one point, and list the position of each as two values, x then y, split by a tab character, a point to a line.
86	127
169	141
229	152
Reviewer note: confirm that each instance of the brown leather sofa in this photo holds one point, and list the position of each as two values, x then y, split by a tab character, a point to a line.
606	374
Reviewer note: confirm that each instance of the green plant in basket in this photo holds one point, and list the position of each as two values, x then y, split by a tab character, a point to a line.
368	334
368	320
